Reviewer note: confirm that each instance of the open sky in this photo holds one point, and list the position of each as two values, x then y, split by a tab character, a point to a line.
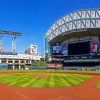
33	18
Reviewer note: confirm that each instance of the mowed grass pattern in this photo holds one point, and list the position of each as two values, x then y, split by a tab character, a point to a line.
98	84
52	80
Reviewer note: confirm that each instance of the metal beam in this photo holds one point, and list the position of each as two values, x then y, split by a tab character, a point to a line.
10	32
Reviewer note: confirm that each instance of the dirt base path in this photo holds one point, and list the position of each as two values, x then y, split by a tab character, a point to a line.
85	91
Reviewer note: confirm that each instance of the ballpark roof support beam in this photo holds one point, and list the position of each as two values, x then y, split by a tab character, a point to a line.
78	20
13	43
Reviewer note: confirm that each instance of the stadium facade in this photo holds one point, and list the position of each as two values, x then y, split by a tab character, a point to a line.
19	61
74	40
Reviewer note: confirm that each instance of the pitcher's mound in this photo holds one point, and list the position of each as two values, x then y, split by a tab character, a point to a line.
40	75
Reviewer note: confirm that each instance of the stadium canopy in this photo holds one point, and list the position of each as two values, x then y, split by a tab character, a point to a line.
75	24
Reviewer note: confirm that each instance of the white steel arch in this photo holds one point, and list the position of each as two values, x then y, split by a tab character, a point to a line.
78	20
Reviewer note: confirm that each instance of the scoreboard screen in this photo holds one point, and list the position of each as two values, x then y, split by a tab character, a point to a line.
79	48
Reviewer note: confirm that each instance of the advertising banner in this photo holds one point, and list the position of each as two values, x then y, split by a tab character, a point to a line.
93	47
65	50
57	50
33	49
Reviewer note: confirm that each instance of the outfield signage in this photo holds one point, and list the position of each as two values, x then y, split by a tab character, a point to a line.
93	47
57	49
65	50
33	49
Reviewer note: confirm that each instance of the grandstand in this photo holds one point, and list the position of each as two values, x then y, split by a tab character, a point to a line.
74	40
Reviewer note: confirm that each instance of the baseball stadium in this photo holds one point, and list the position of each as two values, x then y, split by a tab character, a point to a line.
73	41
72	67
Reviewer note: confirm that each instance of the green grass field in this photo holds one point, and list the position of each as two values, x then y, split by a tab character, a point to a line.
51	80
50	70
98	84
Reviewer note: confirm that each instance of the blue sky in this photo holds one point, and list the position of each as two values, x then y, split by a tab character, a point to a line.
33	18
